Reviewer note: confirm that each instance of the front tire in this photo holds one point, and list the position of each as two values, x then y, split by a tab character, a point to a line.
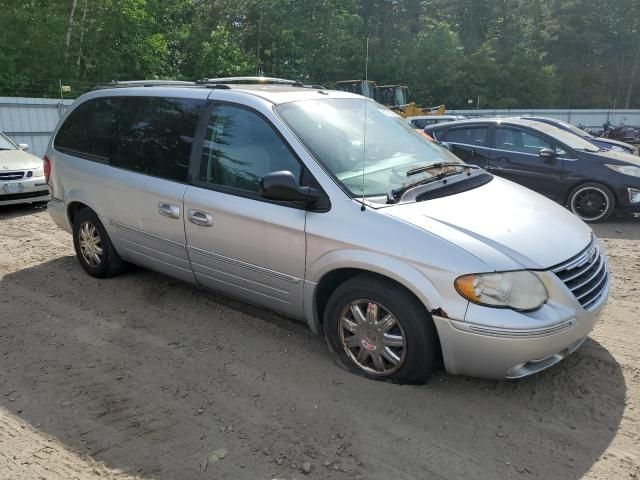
94	249
592	202
379	330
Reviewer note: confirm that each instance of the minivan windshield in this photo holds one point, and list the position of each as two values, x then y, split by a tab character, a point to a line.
333	131
569	139
6	144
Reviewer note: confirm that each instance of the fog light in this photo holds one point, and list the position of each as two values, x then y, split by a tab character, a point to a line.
634	195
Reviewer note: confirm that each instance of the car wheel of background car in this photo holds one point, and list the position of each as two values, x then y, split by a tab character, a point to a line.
378	330
93	247
592	202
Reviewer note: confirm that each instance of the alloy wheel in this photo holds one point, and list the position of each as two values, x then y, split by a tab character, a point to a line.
90	244
590	203
372	337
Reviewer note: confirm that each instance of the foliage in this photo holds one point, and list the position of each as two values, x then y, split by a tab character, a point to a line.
507	53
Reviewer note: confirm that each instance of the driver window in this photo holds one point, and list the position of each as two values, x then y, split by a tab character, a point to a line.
240	148
514	140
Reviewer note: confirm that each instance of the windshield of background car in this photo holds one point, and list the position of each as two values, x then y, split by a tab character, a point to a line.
574	129
333	131
5	143
569	139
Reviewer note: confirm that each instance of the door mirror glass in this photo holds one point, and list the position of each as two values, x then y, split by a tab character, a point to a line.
283	186
547	153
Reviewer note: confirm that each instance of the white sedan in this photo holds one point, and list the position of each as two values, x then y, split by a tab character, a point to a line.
21	175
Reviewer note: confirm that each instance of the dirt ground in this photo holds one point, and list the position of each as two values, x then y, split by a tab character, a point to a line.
141	376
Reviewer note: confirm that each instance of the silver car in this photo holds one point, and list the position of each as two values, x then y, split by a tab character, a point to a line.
330	208
22	177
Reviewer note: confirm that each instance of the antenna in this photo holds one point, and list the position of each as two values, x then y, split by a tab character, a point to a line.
364	129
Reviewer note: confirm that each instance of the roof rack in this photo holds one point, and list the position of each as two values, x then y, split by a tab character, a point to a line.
144	83
222	83
255	81
247	81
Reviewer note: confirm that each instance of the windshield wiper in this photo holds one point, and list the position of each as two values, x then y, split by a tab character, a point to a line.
433	166
394	194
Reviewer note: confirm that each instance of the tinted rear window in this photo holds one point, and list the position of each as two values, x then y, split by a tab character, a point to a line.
468	135
150	135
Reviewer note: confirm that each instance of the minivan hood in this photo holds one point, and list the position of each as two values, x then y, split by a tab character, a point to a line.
18	160
505	225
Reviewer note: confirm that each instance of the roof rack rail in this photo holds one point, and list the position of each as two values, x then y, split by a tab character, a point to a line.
144	83
255	81
247	81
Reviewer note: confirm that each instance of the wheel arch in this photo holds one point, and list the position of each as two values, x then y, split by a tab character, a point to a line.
72	210
75	200
330	274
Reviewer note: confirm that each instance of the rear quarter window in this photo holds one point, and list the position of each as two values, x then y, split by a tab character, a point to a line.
150	135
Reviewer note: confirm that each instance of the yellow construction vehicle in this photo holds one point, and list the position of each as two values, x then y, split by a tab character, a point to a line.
396	98
393	96
365	88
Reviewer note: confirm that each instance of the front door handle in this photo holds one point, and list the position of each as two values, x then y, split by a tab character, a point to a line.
200	218
168	210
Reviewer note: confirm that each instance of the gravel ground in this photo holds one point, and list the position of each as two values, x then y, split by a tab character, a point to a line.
141	376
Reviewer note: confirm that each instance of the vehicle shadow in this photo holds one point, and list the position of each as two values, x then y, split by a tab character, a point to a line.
20	210
626	228
150	376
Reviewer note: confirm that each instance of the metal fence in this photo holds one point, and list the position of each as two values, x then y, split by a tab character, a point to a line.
31	120
589	119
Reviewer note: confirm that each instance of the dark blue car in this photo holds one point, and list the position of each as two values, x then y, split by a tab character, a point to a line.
590	181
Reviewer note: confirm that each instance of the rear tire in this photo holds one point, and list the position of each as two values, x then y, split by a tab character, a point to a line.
379	330
94	249
592	202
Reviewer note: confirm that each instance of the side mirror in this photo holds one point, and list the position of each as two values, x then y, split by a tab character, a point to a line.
23	146
283	186
547	153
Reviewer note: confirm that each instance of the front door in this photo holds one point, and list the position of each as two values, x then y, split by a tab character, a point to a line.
516	157
238	242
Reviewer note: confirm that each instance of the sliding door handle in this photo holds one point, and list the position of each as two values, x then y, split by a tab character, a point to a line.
200	218
168	210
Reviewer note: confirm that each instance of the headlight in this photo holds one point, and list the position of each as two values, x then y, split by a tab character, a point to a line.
520	290
38	172
625	169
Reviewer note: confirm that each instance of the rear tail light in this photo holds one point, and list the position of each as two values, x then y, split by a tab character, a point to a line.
47	169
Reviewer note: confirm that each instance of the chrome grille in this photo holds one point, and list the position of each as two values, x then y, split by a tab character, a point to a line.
8	176
585	275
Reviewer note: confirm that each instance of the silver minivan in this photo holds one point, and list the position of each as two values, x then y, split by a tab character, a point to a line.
330	208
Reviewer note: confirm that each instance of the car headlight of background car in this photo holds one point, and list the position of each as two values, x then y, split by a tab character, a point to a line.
521	290
625	169
38	172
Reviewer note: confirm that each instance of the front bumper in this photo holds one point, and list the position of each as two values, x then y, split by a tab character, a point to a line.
23	191
488	343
